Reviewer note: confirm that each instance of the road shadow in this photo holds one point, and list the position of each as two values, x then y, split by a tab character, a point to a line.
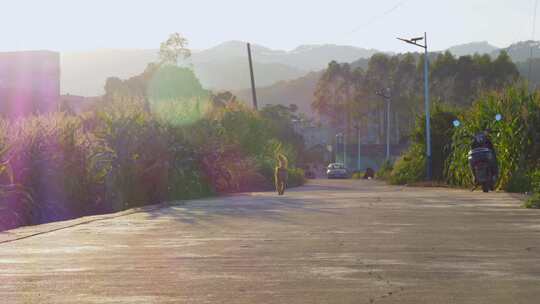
264	205
339	185
268	205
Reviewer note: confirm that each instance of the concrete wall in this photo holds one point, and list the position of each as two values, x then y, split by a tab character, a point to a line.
29	82
371	156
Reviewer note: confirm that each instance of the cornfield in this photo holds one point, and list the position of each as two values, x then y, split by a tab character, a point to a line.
516	137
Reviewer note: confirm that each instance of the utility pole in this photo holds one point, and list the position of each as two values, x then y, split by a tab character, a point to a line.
340	137
388	129
427	105
414	41
386	94
253	91
359	164
345	148
340	141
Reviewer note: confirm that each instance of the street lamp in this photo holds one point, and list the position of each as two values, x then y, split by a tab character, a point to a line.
358	157
414	41
387	96
342	137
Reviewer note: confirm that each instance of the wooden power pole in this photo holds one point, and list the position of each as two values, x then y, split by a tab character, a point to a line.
253	91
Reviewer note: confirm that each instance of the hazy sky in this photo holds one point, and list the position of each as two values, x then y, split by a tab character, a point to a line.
66	25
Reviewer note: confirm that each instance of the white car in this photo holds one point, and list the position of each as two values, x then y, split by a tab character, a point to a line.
337	170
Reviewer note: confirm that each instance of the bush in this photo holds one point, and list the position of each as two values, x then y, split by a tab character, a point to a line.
56	169
442	116
410	168
519	182
385	171
122	155
296	177
127	152
357	175
535	181
533	201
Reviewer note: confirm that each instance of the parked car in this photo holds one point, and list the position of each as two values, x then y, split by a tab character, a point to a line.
337	170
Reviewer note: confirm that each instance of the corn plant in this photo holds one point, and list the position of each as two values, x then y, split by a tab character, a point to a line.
515	137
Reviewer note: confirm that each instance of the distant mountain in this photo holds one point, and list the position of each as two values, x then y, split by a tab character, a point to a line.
521	51
362	63
482	47
518	52
304	57
317	57
223	67
234	73
84	73
298	91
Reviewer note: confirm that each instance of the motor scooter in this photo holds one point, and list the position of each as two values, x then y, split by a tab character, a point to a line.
482	159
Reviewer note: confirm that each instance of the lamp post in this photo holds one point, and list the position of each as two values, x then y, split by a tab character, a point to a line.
414	41
358	157
340	138
387	97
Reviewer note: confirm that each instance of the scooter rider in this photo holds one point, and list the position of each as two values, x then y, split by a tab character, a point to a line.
481	140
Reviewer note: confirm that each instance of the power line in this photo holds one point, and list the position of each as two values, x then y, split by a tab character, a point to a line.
377	17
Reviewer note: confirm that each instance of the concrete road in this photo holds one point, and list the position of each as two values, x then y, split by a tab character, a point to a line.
327	242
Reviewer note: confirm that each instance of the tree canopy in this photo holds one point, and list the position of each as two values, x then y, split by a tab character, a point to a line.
174	48
344	94
158	82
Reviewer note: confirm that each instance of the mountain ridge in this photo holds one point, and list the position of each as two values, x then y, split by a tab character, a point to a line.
225	66
84	72
471	48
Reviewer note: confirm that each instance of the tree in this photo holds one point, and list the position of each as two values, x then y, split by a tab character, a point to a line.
346	95
334	92
157	83
280	121
174	83
174	48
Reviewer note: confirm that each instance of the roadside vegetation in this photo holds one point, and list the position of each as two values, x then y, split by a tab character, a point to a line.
472	89
126	153
516	139
346	94
155	137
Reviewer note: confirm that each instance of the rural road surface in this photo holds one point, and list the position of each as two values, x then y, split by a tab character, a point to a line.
327	242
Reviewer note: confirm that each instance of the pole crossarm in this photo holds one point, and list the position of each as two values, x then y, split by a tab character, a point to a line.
382	94
413	42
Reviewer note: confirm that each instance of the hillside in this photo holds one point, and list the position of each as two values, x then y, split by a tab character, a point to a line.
223	67
521	51
234	74
84	73
482	47
298	91
304	57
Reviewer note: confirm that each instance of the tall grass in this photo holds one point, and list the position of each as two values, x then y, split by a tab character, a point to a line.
126	153
515	137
